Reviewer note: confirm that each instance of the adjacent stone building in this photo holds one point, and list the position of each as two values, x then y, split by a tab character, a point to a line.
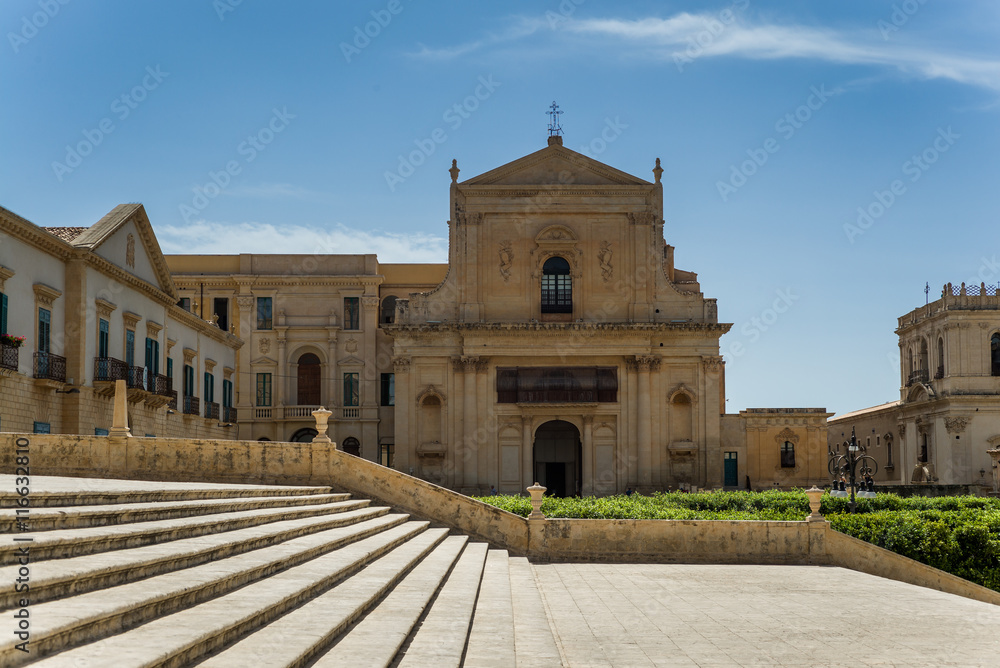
948	413
82	307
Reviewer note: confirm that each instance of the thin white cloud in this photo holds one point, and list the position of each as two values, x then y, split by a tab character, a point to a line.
204	237
522	28
704	35
687	34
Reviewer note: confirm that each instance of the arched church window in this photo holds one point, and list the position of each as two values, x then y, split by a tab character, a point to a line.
787	455
387	315
995	354
557	286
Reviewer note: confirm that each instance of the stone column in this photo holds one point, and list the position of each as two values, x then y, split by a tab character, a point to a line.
527	450
644	436
331	365
282	380
458	425
369	323
486	444
245	379
404	456
588	455
469	446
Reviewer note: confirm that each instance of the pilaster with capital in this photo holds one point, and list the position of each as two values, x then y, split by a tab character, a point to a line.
403	438
369	314
469	445
527	452
587	488
458	422
644	363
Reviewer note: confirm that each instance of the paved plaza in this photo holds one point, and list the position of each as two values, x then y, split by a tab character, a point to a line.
687	615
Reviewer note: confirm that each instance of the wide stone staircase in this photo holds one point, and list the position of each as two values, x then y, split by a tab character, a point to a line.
240	576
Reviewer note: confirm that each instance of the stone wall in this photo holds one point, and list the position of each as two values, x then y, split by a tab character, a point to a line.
661	541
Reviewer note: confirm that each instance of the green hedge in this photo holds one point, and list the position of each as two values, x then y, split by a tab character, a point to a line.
957	534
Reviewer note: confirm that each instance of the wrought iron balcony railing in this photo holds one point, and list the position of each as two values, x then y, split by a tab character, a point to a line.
228	414
212	410
8	357
136	379
109	369
918	376
49	367
192	405
159	384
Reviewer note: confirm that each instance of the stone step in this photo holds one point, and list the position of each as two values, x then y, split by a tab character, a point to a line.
183	638
54	492
491	639
439	639
534	643
375	640
74	517
59	578
65	623
61	544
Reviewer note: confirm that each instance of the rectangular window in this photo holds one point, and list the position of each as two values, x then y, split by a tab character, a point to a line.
129	347
100	432
208	391
188	380
352	312
264	313
352	390
388	389
170	368
227	393
103	338
43	428
386	455
185	303
3	314
263	389
787	455
152	356
543	385
220	307
44	330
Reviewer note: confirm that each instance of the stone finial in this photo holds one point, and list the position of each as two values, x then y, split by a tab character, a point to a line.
322	416
119	420
657	171
815	495
454	171
536	491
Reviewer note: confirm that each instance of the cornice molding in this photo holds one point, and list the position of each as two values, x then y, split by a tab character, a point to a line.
514	328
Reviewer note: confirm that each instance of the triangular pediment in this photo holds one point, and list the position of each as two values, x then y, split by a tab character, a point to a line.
263	361
351	360
555	165
125	238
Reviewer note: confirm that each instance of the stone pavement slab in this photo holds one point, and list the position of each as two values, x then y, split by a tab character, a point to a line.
727	615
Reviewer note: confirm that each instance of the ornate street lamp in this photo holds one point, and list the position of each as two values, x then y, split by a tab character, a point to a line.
847	464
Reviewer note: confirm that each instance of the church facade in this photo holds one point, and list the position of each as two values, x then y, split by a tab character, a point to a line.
559	344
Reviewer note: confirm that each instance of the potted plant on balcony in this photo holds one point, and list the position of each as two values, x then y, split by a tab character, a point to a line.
11	341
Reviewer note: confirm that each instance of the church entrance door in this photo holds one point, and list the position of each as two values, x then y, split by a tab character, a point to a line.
558	459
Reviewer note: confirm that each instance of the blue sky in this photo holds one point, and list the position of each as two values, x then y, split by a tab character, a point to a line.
775	122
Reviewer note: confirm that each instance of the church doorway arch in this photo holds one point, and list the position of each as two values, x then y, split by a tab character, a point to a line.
558	458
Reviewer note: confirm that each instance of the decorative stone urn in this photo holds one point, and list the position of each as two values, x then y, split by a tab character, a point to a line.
322	419
536	491
815	495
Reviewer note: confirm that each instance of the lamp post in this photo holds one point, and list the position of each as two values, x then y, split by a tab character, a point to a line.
847	464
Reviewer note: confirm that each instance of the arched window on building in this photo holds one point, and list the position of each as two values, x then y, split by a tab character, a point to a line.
308	381
387	314
557	286
351	446
787	455
924	362
995	355
940	359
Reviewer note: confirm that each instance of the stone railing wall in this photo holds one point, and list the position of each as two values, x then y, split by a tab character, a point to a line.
660	541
